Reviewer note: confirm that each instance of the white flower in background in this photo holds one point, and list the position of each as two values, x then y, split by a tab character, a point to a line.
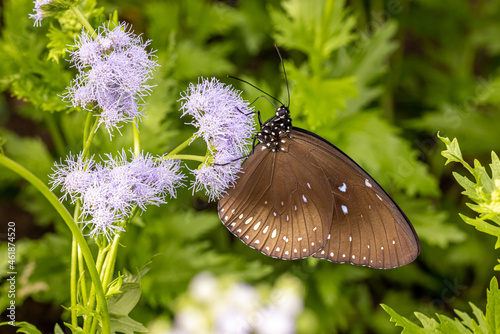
221	306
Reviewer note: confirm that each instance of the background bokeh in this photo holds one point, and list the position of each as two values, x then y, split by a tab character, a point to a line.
376	78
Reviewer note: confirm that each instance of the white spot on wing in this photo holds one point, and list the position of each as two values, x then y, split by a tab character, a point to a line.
328	237
304	250
241	216
331	254
222	210
286	252
343	255
256	226
344	208
393	242
265	230
353	256
277	249
315	228
382	248
238	230
343	188
295	207
350	238
267	248
225	218
274	213
233	224
308	185
249	220
274	234
367	183
246	237
298	239
304	199
257	241
380	198
312	243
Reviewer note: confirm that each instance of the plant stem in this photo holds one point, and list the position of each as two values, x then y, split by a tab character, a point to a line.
83	20
181	147
65	215
187	157
90	136
137	140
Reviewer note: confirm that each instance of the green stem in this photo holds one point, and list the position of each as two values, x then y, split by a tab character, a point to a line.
137	140
92	296
90	136
109	264
181	147
66	216
86	129
74	280
83	20
187	157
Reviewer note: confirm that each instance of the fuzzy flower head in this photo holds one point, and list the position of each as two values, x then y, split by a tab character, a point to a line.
110	190
46	8
224	121
113	67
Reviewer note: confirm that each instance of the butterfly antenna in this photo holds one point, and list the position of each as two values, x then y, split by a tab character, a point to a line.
286	79
260	90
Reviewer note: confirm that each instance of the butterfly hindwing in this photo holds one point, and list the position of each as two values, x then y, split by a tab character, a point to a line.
368	228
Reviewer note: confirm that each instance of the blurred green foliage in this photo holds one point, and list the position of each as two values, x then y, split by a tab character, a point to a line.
378	79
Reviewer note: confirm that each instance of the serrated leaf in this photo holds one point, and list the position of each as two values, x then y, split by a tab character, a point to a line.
452	326
430	324
408	326
315	27
452	152
495	166
469	186
492	315
483	226
58	44
479	317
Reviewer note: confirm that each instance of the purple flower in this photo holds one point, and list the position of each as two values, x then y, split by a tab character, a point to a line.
111	190
113	68
224	122
74	175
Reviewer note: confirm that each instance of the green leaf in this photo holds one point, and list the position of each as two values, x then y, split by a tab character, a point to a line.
479	316
493	307
121	304
408	326
452	152
24	327
315	27
58	329
58	44
483	226
74	329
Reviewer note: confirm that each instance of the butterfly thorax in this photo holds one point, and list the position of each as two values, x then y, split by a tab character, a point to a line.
273	131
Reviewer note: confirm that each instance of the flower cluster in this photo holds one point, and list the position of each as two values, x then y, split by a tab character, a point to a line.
113	67
213	306
224	122
109	191
46	8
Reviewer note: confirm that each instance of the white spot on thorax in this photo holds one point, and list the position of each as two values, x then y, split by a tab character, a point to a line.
344	208
343	188
368	184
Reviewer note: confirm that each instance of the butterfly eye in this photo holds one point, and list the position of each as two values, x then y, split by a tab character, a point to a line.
282	111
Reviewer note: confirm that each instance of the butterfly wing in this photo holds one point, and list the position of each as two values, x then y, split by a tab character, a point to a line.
368	228
277	204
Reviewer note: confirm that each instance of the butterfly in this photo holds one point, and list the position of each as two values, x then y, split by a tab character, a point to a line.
298	196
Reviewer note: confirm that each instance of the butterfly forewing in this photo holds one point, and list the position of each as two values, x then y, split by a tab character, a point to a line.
367	228
277	204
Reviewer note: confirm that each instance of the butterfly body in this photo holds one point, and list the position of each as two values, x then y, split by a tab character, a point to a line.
299	196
